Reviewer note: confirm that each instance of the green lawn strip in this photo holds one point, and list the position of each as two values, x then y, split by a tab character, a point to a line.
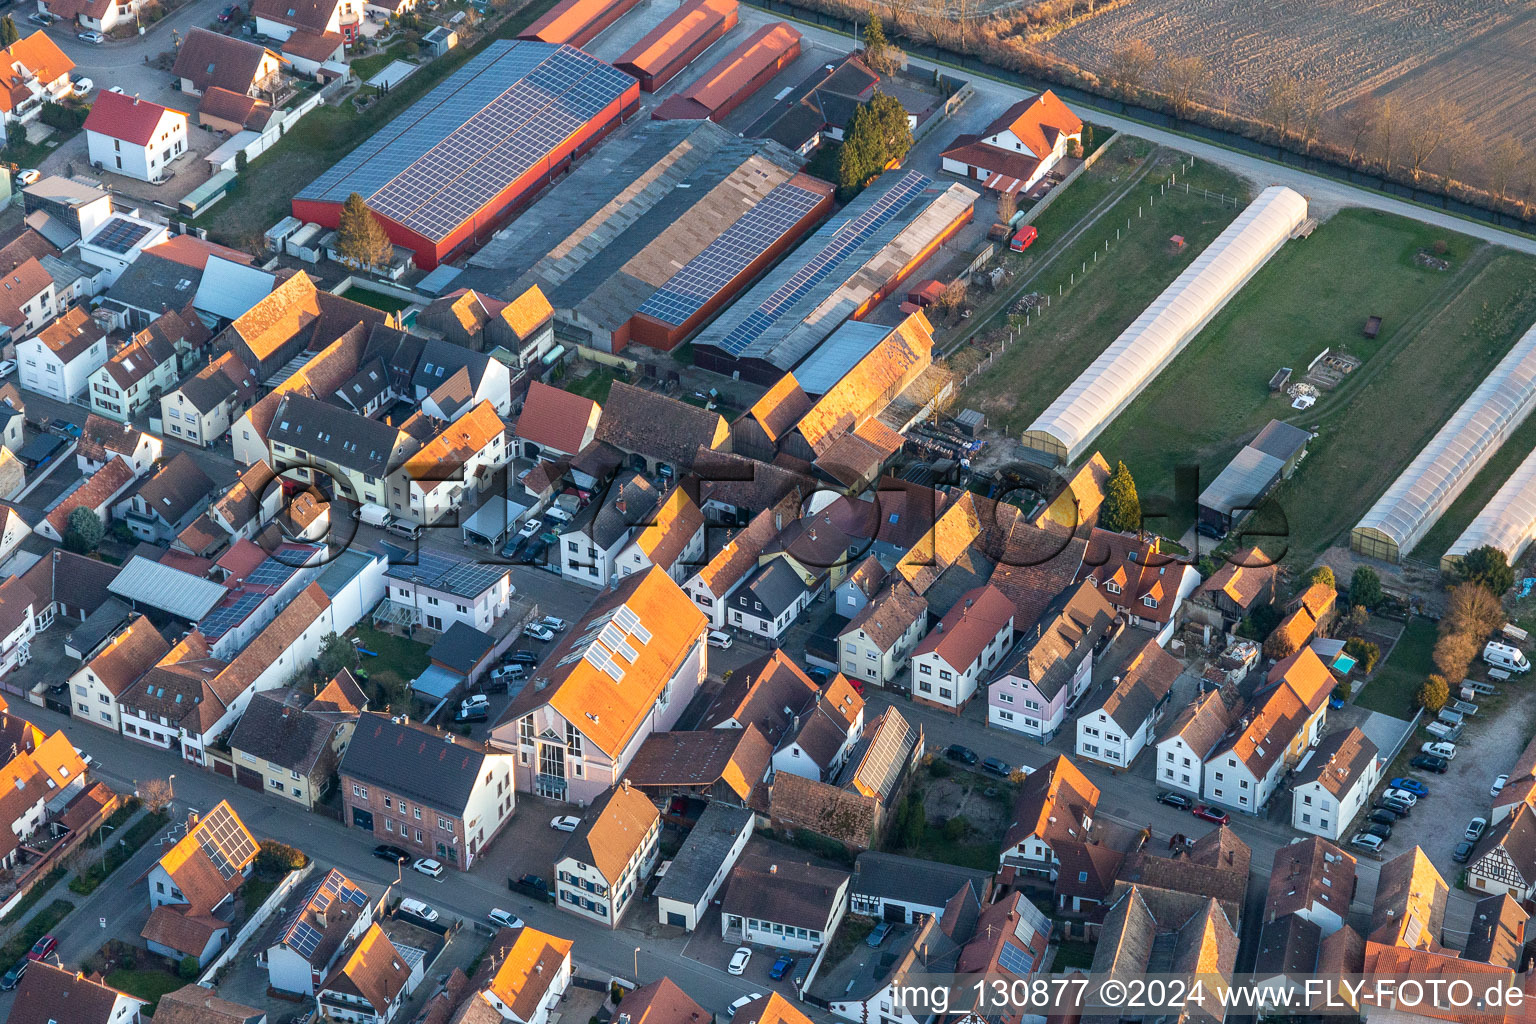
594	385
256	890
41	924
1092	308
1392	688
1073	953
1315	293
366	67
146	983
399	661
263	194
1373	437
119	848
1478	493
376	299
34	894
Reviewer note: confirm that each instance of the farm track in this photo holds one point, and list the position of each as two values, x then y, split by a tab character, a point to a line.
1094	215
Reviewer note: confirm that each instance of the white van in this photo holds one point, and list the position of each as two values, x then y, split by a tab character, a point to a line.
404	528
1510	659
373	515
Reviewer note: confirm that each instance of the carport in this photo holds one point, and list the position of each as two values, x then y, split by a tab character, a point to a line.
492	522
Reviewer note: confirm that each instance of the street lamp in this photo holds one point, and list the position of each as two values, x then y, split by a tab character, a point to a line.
637	965
101	834
171	783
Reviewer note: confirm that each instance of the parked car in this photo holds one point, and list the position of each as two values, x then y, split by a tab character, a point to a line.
42	947
782	966
730	1011
478	713
558	514
1475	829
877	936
530	528
1173	799
1366	841
565	823
475	700
1211	814
393	854
961	753
229	13
428	867
416	908
1378	829
504	919
80	85
7	367
721	640
1413	786
1397	807
739	961
1445	750
1401	796
1429	763
1463	852
521	658
538	632
90	36
1498	785
1382	816
12	977
63	427
40	19
1024	239
554	623
996	766
1210	530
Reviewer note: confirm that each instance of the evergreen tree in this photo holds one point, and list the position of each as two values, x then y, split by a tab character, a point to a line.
877	137
360	238
1121	511
8	33
1433	694
83	531
879	54
1488	567
1365	587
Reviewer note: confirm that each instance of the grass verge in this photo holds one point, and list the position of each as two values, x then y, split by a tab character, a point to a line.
37	892
41	924
399	661
122	847
146	983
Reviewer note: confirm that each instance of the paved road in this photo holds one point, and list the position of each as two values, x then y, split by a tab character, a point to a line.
122	62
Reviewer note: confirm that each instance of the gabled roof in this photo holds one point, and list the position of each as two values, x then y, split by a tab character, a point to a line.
93	493
865	390
1497	937
36	54
665	429
878	763
53	995
176	487
780	408
1053	805
676	522
612	831
410	758
768	693
327	910
968	627
888	615
207	863
1146	680
1410	902
783	891
1338	762
739	556
212	59
72	334
1202	724
557	419
128	118
1243	578
191	251
374	970
1037	123
275	729
21	284
136	649
194	1004
698	759
1310	872
529	969
662	1002
314	15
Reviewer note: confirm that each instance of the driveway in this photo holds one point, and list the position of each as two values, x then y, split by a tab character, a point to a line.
125	62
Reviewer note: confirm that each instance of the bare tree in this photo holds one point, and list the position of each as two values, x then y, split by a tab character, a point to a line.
155	795
1007	206
1424	134
1506	157
1280	100
1129	66
952	297
1359	122
1313	98
1387	119
1182	78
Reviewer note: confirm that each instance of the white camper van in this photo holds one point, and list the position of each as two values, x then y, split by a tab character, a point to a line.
1510	659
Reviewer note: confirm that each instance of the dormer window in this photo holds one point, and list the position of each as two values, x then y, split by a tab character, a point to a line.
1113	588
1149	601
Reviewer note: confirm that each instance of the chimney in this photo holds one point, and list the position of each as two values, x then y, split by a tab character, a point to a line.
773	869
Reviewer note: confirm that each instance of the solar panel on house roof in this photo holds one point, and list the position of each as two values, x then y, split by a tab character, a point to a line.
304	939
272	572
225	842
221	620
467	579
834	244
460	146
1015	960
702	278
120	235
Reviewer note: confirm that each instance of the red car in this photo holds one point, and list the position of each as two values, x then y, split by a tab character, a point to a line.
1211	814
42	947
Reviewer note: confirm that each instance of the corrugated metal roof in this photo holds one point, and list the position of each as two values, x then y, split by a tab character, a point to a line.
171	590
841	352
1245	478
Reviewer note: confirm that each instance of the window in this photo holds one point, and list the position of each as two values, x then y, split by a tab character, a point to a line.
925	669
1006	698
360	792
946	675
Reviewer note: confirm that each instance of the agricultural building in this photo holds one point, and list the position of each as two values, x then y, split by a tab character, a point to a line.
577	22
1507	522
678	41
852	262
1252	474
1450	460
443	174
736	77
655	233
1067	428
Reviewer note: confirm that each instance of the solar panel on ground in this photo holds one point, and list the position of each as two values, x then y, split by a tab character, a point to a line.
834	243
225	841
702	278
120	235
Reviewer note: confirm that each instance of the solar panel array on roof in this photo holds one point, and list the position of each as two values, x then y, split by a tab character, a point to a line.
120	235
460	146
456	576
1015	960
702	278
833	244
225	841
221	620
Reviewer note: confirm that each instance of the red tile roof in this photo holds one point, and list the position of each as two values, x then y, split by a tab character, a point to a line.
969	627
557	419
191	251
120	116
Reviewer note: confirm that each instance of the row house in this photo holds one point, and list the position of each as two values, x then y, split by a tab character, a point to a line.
202	409
876	645
1143	585
963	649
28	303
59	359
426	790
1187	743
590	544
770	599
97	686
523	328
1052	831
289	743
1334	783
672	539
712	584
252	501
1117	731
822	734
1051	668
134	377
625	670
